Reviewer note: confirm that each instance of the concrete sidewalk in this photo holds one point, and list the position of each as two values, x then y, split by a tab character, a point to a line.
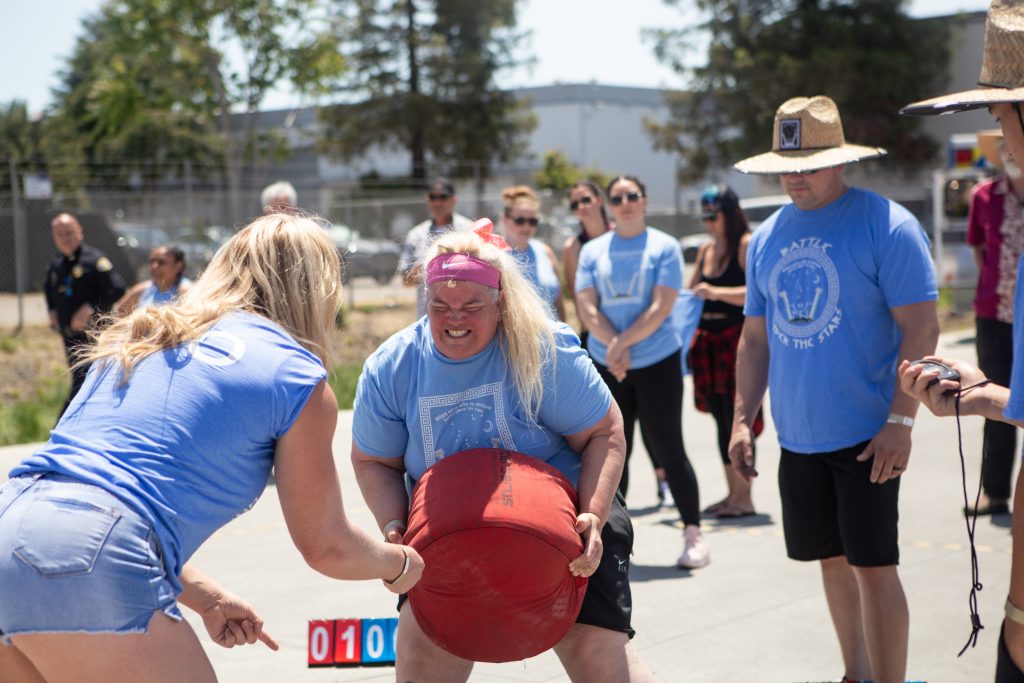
751	615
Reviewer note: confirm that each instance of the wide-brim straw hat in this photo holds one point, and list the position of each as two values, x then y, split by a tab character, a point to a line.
807	136
988	143
1002	66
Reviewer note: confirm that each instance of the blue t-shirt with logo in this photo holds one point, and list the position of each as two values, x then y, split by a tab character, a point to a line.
536	267
625	271
189	440
414	403
1015	406
825	281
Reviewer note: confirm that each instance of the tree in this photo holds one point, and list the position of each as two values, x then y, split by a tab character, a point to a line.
558	173
41	145
867	55
159	84
422	79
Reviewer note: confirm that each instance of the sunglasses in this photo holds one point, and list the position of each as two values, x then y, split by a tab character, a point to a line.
441	197
631	197
709	215
521	220
575	204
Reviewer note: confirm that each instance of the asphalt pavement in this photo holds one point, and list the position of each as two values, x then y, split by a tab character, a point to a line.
752	615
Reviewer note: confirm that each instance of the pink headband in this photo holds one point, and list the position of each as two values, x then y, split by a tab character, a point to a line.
457	266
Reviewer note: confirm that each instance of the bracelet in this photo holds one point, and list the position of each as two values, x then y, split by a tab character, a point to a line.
897	419
1013	613
405	570
393	524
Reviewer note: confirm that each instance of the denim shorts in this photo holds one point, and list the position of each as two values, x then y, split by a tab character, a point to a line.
76	559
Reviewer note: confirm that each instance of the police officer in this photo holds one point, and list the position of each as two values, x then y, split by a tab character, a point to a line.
81	284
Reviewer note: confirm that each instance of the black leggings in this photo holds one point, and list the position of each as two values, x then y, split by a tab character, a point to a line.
721	408
654	395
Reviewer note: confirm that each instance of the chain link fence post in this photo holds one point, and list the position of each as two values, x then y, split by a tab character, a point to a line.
20	243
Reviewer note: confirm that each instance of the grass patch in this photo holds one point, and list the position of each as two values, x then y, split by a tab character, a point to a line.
343	379
29	421
8	345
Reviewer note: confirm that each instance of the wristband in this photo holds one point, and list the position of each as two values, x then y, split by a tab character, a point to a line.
393	524
897	419
1013	613
405	570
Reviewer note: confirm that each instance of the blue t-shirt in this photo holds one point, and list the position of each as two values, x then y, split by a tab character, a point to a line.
189	440
1015	406
152	296
414	403
625	271
825	281
536	267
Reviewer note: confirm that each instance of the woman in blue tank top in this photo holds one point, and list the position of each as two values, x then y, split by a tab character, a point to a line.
167	281
520	219
183	414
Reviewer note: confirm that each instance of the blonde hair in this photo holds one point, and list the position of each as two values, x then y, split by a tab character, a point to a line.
524	333
283	267
516	194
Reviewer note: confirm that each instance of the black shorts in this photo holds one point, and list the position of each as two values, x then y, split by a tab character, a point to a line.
831	508
608	602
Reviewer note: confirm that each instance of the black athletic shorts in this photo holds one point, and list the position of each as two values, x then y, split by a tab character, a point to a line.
608	602
831	508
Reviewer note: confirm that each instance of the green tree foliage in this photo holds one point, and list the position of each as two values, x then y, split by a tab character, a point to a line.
867	55
154	84
41	145
422	79
558	173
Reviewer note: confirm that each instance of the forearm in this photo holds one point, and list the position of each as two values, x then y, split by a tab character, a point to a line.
751	380
199	591
600	471
734	296
644	326
383	489
590	315
920	335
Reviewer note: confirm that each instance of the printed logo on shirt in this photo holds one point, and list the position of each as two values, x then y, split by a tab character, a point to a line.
804	288
475	418
621	279
218	348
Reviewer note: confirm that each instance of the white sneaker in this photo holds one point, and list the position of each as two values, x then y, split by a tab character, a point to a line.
665	498
696	553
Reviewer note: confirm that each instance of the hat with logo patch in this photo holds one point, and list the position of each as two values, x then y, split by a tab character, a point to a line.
807	136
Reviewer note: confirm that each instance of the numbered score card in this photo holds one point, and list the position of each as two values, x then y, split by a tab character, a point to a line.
352	642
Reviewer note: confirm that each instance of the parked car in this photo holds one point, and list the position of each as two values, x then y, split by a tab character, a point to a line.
756	208
365	256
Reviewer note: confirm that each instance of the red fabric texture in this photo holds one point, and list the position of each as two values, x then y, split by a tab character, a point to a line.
496	530
712	360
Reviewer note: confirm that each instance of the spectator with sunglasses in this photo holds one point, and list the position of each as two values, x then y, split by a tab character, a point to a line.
626	285
719	278
443	219
586	201
519	222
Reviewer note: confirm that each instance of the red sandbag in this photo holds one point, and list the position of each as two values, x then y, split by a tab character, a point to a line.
496	530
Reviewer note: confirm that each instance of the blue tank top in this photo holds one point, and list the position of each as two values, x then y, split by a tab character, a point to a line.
189	440
536	267
152	296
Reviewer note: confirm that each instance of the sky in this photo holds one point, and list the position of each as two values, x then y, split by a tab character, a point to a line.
573	41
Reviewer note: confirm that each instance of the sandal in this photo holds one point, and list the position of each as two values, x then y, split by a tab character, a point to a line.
715	507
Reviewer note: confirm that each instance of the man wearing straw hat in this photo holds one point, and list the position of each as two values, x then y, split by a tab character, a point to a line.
1000	90
995	230
840	286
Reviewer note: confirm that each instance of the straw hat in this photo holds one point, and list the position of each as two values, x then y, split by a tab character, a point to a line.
1002	66
988	141
807	136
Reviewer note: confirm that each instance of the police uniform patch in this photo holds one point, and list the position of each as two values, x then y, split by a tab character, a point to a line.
76	271
103	264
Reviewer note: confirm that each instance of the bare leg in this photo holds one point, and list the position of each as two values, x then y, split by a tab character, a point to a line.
421	660
739	497
16	668
591	654
886	621
169	652
843	597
